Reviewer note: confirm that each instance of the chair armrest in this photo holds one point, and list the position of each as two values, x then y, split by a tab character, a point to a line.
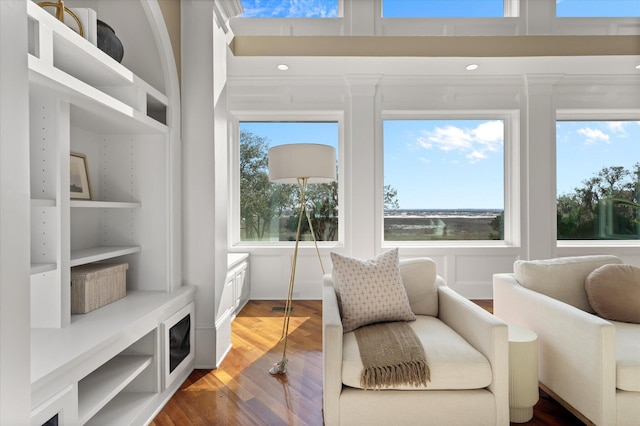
577	358
331	353
487	334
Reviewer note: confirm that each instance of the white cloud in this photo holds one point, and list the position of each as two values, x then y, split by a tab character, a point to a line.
289	8
593	136
617	126
475	144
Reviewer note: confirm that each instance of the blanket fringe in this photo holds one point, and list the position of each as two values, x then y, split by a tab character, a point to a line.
413	373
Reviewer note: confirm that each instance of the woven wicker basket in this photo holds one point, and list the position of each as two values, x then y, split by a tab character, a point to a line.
97	284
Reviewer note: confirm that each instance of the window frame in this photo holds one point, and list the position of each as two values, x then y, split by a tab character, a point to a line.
511	174
235	118
592	115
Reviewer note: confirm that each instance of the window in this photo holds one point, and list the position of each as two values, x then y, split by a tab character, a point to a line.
290	9
597	8
443	8
444	180
598	172
269	212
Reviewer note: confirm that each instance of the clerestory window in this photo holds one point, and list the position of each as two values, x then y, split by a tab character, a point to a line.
597	8
290	9
443	8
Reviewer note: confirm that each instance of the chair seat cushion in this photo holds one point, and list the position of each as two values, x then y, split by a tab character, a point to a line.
627	356
454	364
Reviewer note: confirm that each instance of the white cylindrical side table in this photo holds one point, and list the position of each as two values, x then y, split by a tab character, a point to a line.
523	373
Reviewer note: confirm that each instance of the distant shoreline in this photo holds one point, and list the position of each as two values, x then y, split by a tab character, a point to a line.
443	213
414	225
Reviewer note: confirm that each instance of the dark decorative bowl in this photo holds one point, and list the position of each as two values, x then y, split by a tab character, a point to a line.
108	42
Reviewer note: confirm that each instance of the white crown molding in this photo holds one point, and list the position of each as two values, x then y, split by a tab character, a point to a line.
225	10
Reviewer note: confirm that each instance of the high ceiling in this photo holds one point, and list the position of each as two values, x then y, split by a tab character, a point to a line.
436	55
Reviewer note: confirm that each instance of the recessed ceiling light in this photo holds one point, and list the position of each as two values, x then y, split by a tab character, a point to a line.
283	67
638	67
472	67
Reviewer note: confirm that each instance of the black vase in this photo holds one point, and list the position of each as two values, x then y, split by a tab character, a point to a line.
108	42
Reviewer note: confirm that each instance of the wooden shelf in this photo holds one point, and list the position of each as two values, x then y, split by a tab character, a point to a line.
96	254
100	387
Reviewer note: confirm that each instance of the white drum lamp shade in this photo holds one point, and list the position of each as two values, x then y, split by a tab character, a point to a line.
315	162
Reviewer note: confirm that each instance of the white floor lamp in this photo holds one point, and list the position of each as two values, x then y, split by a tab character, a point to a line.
299	164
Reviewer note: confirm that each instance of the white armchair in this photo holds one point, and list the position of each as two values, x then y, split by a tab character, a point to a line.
589	364
466	348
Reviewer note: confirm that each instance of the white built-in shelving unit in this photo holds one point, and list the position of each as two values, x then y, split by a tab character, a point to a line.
107	366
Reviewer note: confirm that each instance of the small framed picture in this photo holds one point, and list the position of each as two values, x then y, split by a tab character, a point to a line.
80	185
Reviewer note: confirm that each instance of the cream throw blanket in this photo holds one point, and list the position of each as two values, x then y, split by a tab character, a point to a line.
392	355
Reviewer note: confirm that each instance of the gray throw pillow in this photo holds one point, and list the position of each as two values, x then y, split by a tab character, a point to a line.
614	292
370	290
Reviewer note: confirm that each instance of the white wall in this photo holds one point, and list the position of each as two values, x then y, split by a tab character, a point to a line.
531	101
362	91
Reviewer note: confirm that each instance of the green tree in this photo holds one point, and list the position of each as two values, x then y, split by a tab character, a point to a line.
497	224
260	201
322	208
602	207
390	198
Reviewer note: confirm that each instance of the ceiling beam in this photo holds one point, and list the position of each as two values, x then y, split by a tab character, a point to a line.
436	46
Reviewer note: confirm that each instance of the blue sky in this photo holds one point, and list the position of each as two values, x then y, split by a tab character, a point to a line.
445	164
583	148
457	164
435	8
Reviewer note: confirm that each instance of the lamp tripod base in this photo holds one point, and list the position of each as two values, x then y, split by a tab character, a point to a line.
279	367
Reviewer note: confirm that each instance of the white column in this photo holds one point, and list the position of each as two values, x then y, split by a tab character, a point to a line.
540	174
360	16
539	16
360	164
15	383
204	247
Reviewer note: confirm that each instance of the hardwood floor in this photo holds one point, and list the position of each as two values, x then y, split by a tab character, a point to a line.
242	392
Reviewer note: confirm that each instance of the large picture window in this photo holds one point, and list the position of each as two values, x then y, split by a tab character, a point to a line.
444	180
268	211
598	180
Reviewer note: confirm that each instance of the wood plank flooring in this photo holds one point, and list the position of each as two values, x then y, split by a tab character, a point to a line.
242	392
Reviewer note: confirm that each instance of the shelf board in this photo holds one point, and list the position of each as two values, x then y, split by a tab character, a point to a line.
43	202
98	388
78	56
123	409
92	108
104	204
41	268
96	254
56	351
